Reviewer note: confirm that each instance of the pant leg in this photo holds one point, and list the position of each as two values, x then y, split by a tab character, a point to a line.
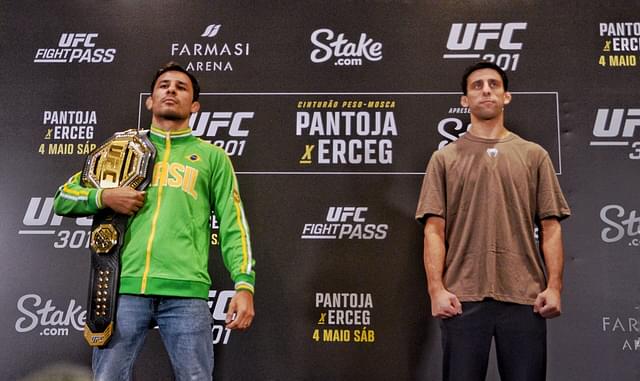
466	343
521	343
185	327
114	362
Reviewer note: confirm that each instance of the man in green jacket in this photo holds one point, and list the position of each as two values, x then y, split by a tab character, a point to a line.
164	276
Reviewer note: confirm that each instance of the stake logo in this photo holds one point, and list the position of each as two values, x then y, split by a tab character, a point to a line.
76	48
37	315
46	318
452	127
345	222
342	51
620	226
618	127
494	42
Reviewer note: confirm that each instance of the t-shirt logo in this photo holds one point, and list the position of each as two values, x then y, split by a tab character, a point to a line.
493	152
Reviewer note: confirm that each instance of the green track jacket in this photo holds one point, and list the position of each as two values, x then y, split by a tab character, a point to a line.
166	246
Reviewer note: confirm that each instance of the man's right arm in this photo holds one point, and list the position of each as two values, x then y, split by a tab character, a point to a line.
74	200
444	304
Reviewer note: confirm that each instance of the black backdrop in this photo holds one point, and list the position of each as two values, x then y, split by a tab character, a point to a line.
341	291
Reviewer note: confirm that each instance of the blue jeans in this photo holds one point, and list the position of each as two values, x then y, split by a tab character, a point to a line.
185	328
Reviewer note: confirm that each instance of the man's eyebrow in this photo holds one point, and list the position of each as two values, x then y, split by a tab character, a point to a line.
169	80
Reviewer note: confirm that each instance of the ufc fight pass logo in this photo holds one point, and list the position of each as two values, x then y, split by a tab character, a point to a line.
76	48
345	222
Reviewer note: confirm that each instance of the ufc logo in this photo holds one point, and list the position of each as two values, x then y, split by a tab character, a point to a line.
72	40
342	214
476	36
40	213
609	122
218	305
209	122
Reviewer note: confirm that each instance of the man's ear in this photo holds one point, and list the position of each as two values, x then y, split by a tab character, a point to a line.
195	106
148	103
507	98
464	101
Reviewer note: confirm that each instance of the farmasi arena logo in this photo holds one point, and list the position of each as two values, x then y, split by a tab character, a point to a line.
210	55
624	327
76	48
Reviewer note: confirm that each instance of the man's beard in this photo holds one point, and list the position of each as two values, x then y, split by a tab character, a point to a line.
172	115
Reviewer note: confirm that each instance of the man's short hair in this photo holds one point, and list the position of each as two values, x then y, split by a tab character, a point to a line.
174	66
484	65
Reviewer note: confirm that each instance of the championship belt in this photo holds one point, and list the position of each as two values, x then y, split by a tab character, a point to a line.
126	159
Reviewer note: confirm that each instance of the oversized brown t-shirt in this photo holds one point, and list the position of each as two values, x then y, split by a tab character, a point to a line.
491	193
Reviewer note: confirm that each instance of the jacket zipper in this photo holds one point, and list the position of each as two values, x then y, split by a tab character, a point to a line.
164	168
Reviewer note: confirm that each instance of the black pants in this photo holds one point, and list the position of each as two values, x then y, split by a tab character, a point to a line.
520	337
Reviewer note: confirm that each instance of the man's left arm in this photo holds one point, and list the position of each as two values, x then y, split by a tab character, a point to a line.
235	243
549	302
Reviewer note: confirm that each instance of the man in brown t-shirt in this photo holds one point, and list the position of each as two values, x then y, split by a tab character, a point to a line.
481	199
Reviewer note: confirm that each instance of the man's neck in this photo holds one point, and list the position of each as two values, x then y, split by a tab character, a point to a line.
170	125
488	129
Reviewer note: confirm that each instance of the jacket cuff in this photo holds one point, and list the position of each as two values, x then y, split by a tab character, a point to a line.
95	199
245	282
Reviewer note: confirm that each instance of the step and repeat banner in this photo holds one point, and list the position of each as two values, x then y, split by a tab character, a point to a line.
329	111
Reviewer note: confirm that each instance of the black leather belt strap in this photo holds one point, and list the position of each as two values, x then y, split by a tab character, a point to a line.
126	159
107	232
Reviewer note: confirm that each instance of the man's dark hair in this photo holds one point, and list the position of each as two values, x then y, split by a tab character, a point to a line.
483	65
174	66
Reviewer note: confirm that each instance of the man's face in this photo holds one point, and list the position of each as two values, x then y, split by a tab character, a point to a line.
486	96
172	97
